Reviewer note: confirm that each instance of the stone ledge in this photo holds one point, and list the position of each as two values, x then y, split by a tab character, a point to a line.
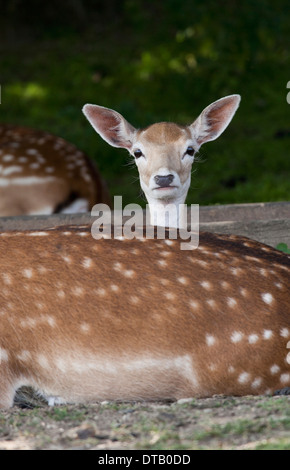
268	223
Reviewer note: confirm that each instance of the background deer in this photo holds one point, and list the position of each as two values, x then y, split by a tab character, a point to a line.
42	174
84	320
164	152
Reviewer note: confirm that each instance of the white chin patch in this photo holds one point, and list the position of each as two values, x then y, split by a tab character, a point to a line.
164	193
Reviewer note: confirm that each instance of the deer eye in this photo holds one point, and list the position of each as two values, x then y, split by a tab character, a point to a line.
138	153
190	151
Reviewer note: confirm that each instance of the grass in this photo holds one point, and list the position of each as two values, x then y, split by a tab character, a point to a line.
213	423
283	247
163	61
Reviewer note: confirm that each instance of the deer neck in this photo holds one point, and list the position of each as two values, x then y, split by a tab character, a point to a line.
168	212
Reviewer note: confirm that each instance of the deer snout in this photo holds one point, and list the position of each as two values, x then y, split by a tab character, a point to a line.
163	181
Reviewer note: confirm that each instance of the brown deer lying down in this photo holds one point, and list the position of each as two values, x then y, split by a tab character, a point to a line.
84	320
41	173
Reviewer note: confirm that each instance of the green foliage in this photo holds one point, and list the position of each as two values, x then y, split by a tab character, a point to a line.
283	247
155	61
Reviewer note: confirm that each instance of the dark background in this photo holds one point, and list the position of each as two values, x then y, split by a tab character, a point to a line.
156	61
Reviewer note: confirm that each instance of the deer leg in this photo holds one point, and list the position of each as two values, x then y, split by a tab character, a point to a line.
283	391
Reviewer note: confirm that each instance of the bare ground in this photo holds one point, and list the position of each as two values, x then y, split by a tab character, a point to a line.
214	423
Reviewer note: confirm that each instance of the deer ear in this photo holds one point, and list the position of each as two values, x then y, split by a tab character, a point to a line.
110	125
215	118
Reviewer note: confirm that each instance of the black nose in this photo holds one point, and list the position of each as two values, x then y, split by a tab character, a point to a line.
163	181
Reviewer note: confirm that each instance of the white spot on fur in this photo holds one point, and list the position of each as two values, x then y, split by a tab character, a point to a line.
25	181
169	295
231	302
49	169
128	273
267	334
285	333
236	336
22	159
24	356
210	340
28	273
50	320
244	377
225	285
194	304
12	169
87	263
37	234
78	291
62	364
82	234
114	288
31	152
7	158
85	328
100	291
253	338
274	369
165	253
67	259
42	361
7	279
236	271
285	378
257	382
34	166
3	355
118	267
162	262
206	285
267	298
244	292
61	294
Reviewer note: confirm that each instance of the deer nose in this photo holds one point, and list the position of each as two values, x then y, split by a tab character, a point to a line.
163	181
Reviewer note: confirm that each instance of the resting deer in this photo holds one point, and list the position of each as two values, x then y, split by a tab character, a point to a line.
164	152
84	320
43	174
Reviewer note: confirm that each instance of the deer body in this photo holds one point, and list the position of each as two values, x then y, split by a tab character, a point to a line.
84	320
43	174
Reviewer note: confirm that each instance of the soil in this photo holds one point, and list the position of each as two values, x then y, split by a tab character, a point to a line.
219	422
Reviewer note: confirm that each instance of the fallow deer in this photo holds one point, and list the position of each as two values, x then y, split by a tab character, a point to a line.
164	152
84	320
41	173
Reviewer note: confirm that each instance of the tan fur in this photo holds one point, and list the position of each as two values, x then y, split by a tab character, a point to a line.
42	173
163	133
164	143
85	320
